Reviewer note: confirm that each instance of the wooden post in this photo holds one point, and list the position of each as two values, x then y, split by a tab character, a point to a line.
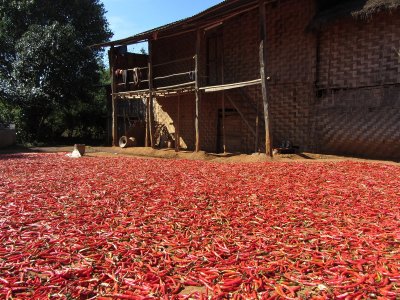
223	122
177	132
114	121
263	59
112	61
257	128
223	98
146	142
197	90
151	98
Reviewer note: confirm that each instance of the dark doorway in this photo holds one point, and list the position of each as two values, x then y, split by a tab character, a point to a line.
233	132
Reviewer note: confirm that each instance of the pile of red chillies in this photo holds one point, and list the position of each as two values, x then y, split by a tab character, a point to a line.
129	228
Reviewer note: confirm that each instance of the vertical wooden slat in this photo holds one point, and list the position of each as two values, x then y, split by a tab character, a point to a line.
197	90
112	61
263	59
151	97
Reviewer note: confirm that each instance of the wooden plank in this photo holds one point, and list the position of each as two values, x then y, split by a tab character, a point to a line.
263	59
111	55
241	114
197	89
229	86
151	96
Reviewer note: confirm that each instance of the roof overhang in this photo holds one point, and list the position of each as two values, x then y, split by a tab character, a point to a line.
207	18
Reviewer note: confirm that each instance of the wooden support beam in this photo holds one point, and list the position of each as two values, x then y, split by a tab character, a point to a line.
241	114
151	94
112	60
263	59
197	89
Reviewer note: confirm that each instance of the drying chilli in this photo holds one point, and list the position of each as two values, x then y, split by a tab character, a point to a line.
128	228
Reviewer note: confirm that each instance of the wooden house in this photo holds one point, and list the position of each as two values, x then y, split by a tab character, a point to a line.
247	76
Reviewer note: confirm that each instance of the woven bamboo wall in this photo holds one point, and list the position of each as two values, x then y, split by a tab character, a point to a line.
333	92
357	110
291	58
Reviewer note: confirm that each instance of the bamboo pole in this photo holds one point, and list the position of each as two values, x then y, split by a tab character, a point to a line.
263	58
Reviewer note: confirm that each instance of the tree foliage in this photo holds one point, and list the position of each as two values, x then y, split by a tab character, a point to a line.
49	77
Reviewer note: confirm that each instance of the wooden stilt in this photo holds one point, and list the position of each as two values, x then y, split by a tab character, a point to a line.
112	60
223	122
114	121
223	98
147	139
197	90
177	133
257	128
151	120
262	53
151	97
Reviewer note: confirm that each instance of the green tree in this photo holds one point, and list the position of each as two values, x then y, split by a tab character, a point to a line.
48	74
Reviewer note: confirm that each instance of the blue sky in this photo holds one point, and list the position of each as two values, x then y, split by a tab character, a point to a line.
129	17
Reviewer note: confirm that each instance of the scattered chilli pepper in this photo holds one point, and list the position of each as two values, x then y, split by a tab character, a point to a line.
128	228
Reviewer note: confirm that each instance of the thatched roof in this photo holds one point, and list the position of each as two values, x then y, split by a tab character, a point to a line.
331	10
374	6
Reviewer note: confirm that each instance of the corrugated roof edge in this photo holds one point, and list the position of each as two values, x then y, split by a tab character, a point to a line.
146	34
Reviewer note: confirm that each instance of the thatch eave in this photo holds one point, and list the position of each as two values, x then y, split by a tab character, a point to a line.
358	9
375	6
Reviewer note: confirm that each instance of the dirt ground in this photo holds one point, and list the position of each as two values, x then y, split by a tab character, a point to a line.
172	154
